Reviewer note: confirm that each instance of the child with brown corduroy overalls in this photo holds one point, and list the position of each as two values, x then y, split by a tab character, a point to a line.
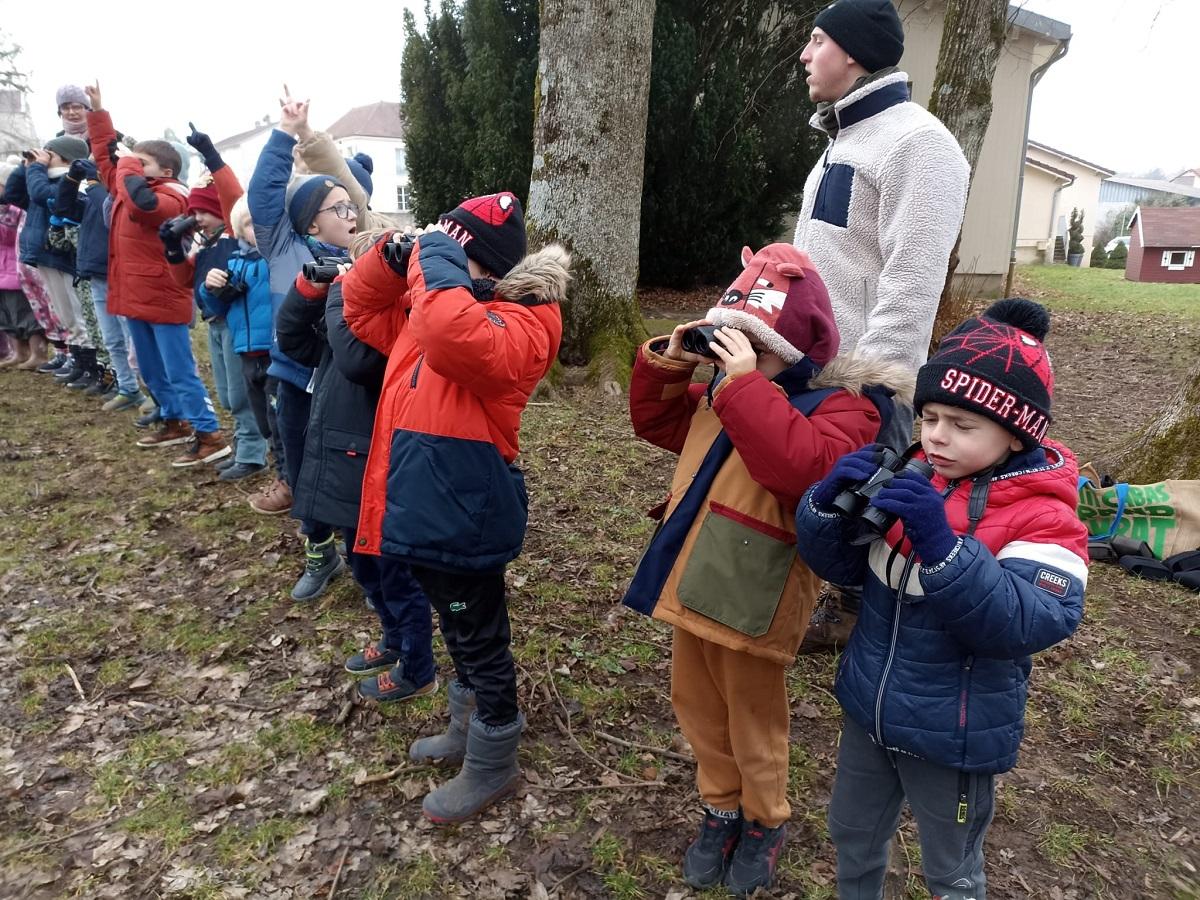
722	567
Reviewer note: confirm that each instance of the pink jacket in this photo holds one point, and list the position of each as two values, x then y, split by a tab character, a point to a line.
10	222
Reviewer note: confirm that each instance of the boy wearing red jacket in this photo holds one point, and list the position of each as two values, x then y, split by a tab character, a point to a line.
722	567
146	193
470	326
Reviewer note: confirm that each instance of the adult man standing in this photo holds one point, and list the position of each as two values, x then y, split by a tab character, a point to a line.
884	205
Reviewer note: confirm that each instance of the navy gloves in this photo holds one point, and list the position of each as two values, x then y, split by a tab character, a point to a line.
82	170
205	147
922	511
850	469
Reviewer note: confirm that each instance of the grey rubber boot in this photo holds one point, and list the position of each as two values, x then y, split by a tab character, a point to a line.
489	773
449	747
322	564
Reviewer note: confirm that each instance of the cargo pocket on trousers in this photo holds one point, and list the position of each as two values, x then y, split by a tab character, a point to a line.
737	570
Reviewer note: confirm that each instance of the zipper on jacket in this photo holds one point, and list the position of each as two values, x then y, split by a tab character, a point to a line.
896	607
417	370
964	681
891	657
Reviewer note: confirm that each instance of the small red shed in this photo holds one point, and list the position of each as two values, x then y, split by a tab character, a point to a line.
1163	245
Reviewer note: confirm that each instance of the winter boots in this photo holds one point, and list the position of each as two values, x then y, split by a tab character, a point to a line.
449	747
489	773
322	563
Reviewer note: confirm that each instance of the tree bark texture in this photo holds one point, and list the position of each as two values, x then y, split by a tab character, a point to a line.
590	100
973	33
1169	447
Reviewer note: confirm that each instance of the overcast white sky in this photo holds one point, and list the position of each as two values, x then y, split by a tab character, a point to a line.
1123	97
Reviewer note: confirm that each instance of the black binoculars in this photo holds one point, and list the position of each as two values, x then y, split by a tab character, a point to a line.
324	269
699	339
855	501
181	226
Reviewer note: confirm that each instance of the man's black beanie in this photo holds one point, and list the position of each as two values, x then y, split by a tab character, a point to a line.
868	30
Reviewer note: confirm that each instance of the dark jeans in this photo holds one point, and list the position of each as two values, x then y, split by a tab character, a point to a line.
473	616
401	606
292	406
260	390
871	786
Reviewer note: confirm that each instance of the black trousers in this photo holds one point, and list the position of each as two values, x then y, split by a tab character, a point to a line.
473	617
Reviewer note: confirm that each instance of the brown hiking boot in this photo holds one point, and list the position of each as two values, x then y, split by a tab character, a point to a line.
168	433
832	620
206	447
274	501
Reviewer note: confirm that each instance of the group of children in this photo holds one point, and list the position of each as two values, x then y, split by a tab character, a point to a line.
390	400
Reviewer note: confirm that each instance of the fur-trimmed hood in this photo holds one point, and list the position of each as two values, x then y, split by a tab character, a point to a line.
854	373
543	275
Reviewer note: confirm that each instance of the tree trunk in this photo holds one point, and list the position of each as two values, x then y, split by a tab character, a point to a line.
1169	447
973	34
589	141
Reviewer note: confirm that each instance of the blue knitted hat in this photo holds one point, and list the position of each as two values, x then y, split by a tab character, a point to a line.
304	198
361	166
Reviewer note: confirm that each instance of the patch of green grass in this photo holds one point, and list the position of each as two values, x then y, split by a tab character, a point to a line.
300	736
69	635
1061	842
114	671
623	885
151	749
1077	701
420	877
802	771
164	815
496	854
1165	780
234	764
196	635
239	846
1106	290
1125	660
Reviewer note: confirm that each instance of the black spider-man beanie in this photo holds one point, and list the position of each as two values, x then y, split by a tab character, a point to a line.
996	366
491	230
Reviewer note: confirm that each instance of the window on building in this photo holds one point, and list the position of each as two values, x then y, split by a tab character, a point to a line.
404	198
1175	260
401	164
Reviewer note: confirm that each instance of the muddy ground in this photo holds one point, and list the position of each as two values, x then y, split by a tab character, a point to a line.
172	725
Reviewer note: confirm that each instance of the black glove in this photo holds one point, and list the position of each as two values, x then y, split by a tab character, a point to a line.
205	147
82	170
112	151
172	242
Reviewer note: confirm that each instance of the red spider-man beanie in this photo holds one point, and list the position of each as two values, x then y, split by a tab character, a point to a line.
996	366
491	230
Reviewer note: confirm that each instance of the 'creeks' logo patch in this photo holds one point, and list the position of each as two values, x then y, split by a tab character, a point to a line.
1052	582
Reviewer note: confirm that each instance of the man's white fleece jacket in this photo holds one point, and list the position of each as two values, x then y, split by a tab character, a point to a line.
881	213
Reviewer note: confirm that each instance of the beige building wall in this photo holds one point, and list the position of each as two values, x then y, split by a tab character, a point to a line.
1083	194
1035	234
991	207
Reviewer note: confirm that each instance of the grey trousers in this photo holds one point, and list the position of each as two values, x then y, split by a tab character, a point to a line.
953	810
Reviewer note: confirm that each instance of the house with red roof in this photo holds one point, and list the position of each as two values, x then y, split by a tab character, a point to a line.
1163	244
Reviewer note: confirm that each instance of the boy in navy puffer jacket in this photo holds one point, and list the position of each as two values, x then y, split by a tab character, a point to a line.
986	566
